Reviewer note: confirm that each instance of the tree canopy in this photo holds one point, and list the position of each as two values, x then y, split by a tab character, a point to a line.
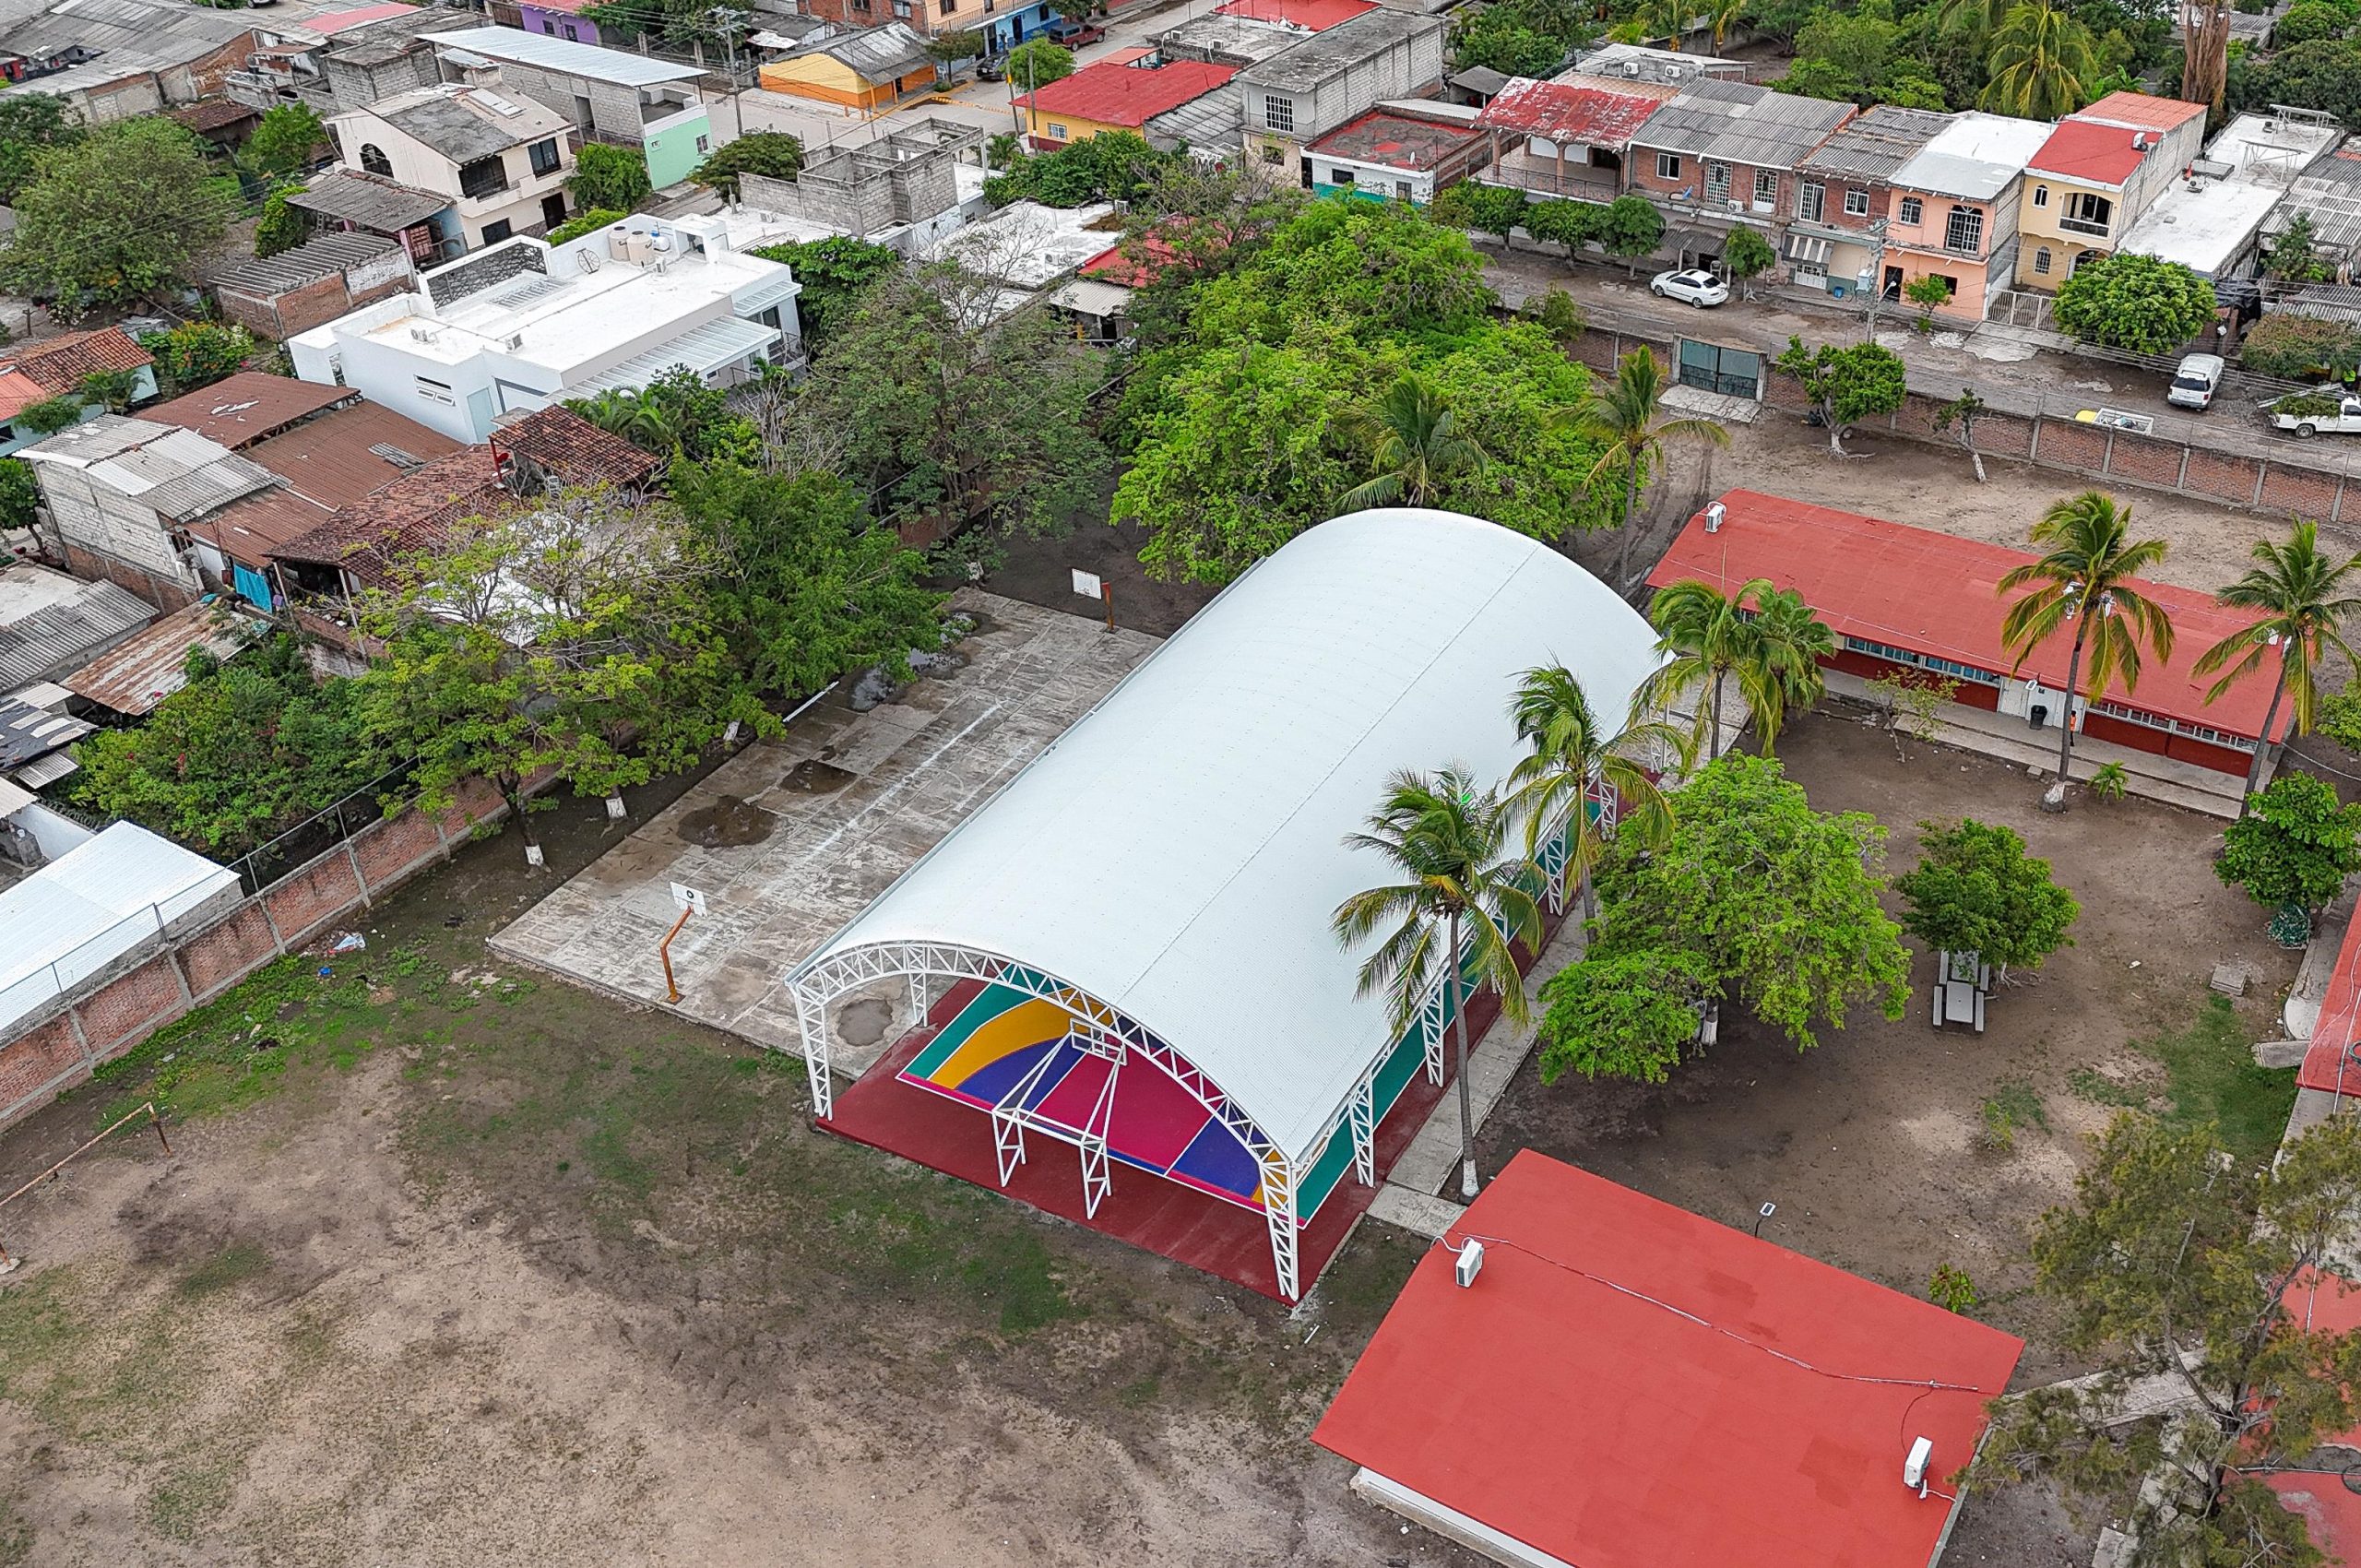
2295	845
2128	300
774	153
1857	382
124	213
289	137
1037	62
28	123
614	178
1976	889
832	272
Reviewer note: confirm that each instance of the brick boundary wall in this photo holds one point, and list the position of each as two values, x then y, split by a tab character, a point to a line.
2121	456
61	1046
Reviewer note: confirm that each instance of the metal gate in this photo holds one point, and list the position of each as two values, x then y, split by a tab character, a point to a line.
1710	367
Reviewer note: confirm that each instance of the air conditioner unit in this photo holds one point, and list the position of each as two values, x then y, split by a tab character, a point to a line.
1631	68
514	341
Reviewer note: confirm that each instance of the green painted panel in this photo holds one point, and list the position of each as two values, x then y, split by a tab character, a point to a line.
984	1006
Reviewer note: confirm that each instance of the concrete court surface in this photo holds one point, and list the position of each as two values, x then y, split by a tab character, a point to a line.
790	838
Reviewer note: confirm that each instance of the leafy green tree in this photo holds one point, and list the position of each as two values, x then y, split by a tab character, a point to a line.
1556	312
946	410
2294	845
2308	21
1777	904
110	389
30	122
2297	348
1412	440
199	353
676	414
1484	210
2294	255
19	494
1448	842
675	24
2088	558
2188	1265
1519	38
773	153
124	213
2324	74
2304	598
1857	382
1963	412
582	223
1037	62
1576	759
947	48
1709	639
47	416
1111	166
239	754
1929	293
1975	889
283	226
289	137
2043	63
1566	224
1626	416
832	272
1632	228
614	178
2128	300
1746	256
1626	1016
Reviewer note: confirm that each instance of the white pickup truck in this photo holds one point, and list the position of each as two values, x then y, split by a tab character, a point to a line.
2308	414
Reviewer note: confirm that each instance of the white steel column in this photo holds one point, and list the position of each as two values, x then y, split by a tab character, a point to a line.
1430	1028
812	1019
1362	1113
1279	1209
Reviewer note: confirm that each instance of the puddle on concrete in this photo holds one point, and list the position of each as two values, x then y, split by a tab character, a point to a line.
863	1022
730	823
815	778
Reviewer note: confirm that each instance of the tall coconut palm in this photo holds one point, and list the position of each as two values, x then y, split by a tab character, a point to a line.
2304	597
2090	560
1574	756
1447	839
2041	62
1627	416
1412	439
1712	640
1790	639
1973	18
1722	16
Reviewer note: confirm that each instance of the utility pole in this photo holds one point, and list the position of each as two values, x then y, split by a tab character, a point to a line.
727	22
1877	275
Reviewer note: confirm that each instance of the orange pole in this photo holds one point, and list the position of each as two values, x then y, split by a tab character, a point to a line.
664	951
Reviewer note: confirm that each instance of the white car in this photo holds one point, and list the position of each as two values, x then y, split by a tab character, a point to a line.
1697	286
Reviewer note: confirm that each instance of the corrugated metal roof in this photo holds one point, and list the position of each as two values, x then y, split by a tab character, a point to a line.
27	732
704	348
241	409
50	623
137	674
563	55
350	452
1739	122
322	255
41	772
1214	122
202	490
1589	110
1876	142
882	53
1114	94
93	904
367	201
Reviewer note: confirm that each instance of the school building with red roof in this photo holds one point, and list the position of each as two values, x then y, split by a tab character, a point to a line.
1909	598
1626	1385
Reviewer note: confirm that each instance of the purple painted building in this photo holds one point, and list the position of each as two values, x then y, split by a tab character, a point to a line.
559	19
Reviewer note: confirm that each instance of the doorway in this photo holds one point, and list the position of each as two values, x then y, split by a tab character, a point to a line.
552	210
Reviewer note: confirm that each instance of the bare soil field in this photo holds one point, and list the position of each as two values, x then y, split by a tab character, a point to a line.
449	1267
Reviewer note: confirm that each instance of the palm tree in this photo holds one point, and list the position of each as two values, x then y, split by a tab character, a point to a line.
638	419
2303	596
1668	20
1627	414
1711	639
1573	758
2090	560
2041	61
1978	20
1412	439
1446	839
1790	641
1721	16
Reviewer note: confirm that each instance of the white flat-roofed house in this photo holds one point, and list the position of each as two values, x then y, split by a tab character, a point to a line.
525	324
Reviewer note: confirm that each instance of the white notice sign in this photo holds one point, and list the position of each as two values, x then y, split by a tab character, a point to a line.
1085	583
687	898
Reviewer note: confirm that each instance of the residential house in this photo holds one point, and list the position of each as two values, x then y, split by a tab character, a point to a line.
1300	94
1568	139
114	59
1397	154
1955	211
927	18
556	444
131	678
1112	97
502	160
120	493
2211	218
871	68
223	124
1219	40
523	324
324	277
1721	153
560	19
904	189
1301	16
347	201
2328	193
1638	62
1478	85
1844	197
51	623
249	407
2094	176
630	100
384	58
58	367
290	65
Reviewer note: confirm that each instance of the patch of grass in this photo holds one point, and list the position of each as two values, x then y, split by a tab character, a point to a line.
2100	1089
236	1048
16	1535
233	1266
2014	1103
2209	1076
191	1498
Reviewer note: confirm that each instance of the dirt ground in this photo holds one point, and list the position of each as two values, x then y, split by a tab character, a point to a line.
1873	1145
450	1268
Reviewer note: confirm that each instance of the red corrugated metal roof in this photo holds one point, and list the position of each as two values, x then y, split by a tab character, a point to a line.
2141	109
1938	593
1570	1399
327	24
1591	112
1313	16
2326	1066
241	409
1128	95
2085	150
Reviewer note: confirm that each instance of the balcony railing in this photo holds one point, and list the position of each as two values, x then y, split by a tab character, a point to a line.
2084	226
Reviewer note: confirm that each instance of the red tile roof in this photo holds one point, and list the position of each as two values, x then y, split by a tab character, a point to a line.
1128	95
1396	141
59	363
1937	593
1312	16
411	514
570	446
241	409
214	113
1132	272
1590	112
2141	109
1626	1385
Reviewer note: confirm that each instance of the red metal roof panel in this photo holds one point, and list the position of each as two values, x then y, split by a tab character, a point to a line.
1591	111
2085	150
1397	141
1128	95
2144	109
1312	16
1571	1398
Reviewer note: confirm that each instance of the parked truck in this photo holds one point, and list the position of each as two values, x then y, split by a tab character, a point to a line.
2307	413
